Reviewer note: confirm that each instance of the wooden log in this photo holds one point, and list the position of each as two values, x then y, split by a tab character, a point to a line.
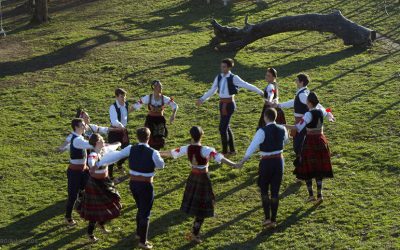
233	39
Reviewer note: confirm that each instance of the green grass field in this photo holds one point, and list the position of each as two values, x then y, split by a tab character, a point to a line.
91	47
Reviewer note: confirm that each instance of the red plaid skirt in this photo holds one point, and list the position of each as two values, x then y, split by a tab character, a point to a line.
280	118
100	201
198	199
315	161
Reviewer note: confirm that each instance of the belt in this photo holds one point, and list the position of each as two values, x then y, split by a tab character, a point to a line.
314	131
199	171
152	113
77	167
141	178
272	156
226	100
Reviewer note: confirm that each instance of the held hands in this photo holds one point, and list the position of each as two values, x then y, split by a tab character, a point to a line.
331	118
199	102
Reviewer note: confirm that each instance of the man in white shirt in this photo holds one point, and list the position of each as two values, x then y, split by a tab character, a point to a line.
119	119
227	85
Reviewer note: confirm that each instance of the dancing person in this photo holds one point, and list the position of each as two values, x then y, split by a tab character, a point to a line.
269	140
198	199
299	103
143	160
271	97
77	172
100	202
155	119
227	85
119	119
315	161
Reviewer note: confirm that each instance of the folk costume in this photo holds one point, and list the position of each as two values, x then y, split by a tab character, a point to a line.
89	130
315	161
155	119
118	119
269	140
101	201
198	199
77	172
271	94
143	160
299	103
227	87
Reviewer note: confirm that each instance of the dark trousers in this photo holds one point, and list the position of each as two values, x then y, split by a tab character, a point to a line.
76	183
143	193
123	138
270	177
298	141
226	112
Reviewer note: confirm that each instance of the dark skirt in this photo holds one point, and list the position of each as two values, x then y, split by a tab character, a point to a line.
280	118
315	160
158	129
198	199
100	201
121	135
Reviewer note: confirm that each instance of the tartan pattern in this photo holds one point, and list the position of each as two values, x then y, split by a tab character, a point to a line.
315	159
100	201
198	199
158	129
280	118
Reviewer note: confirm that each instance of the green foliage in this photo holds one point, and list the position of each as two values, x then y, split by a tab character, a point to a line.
90	48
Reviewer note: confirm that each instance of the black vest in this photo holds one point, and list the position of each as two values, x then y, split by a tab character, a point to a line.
274	138
232	88
317	119
299	107
119	111
141	159
76	153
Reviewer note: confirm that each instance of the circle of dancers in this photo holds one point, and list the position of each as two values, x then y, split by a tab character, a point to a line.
90	174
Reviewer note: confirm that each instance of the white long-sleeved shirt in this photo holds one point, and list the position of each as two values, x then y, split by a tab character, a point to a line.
95	157
90	129
259	138
206	152
303	99
114	116
270	89
223	90
124	153
146	100
80	143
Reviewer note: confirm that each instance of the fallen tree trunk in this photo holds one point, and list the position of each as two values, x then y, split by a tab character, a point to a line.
233	39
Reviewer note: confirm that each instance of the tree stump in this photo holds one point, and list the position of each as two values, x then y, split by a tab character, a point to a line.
233	39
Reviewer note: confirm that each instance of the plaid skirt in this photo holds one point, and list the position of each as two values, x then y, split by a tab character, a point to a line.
280	118
158	129
100	201
198	199
315	160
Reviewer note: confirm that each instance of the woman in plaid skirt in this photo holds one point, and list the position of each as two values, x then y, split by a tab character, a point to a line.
315	160
271	97
100	201
198	199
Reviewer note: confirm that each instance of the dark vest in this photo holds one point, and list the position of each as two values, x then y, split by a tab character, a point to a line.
141	159
317	119
266	93
119	111
232	88
194	155
76	153
274	138
299	107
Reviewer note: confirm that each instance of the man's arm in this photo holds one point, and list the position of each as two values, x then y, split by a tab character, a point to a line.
114	156
242	84
210	92
81	143
286	105
158	161
114	118
254	145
